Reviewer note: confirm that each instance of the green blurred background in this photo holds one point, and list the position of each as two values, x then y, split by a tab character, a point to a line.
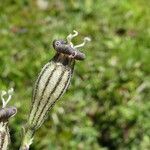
107	106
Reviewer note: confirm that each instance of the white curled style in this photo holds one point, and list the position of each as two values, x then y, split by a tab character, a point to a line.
71	36
85	40
6	101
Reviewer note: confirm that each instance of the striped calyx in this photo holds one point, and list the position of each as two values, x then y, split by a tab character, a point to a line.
51	84
4	135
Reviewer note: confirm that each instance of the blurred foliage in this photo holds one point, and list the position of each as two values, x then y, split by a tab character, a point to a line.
107	106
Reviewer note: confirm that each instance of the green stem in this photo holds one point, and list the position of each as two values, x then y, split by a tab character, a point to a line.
27	139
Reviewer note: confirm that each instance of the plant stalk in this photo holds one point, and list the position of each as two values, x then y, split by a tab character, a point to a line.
27	139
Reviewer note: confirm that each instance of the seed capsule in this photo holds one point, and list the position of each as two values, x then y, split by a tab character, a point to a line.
53	81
